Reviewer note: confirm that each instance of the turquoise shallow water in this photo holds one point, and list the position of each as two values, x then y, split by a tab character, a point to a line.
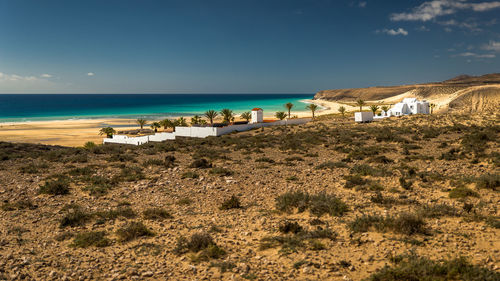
18	108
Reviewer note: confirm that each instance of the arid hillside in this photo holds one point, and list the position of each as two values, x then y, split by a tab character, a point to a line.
467	93
399	199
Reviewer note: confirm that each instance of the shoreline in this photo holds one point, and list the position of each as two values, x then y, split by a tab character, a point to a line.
76	132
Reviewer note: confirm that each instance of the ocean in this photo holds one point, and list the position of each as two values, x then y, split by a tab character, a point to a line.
41	107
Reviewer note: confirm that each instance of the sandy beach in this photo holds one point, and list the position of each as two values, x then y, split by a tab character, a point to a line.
77	132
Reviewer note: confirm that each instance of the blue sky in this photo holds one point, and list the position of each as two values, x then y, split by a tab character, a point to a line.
241	46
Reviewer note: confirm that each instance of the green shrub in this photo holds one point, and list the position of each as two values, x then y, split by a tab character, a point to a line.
223	266
489	181
88	239
231	203
190	175
75	216
462	192
287	201
184	201
294	158
290	227
95	190
169	161
156	214
317	204
405	184
129	174
221	171
59	186
493	221
354	180
153	162
438	210
133	231
202	244
264	159
323	203
366	170
20	204
405	223
200	164
122	211
412	267
378	198
84	171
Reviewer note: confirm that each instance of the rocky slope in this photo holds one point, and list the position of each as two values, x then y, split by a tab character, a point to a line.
467	93
329	200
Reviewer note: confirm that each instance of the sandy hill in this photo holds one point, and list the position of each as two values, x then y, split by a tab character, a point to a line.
463	93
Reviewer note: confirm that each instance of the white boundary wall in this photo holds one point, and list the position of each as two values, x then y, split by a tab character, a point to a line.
199	132
162	137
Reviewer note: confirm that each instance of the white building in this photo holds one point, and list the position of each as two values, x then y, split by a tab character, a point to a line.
363	117
409	106
257	115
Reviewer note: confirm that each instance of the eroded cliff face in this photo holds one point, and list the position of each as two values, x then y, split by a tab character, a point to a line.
372	93
467	93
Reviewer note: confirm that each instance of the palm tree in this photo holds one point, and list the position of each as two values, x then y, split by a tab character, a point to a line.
432	105
246	115
289	107
181	122
108	131
195	120
385	108
141	122
312	107
227	115
360	103
155	126
167	123
280	115
374	108
211	114
342	111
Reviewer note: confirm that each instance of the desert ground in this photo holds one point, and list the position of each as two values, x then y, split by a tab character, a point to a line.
400	199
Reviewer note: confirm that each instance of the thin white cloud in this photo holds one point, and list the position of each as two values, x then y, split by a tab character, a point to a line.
4	77
362	4
45	75
471	25
90	74
475	55
481	7
422	28
15	83
393	32
492	46
432	9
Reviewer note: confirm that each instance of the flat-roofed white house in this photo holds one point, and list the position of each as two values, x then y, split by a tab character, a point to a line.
409	106
257	115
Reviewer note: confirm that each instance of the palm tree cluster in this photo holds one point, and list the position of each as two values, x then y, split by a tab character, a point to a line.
246	115
227	115
385	108
342	110
280	115
312	107
360	103
374	108
141	122
108	131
